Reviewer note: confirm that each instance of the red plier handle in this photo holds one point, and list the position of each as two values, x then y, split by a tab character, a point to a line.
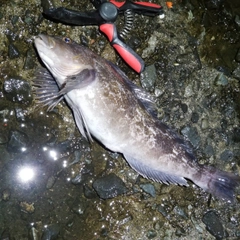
128	55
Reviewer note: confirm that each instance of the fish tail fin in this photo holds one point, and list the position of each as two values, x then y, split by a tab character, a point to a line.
219	183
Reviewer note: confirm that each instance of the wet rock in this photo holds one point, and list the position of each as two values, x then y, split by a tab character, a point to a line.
77	179
195	117
89	192
236	135
180	212
151	234
236	73
6	194
188	91
214	225
162	210
225	70
18	142
192	135
204	123
14	19
109	186
79	206
209	150
27	207
180	232
184	107
148	188
50	232
50	182
20	114
134	42
227	155
13	52
221	80
29	60
148	78
17	90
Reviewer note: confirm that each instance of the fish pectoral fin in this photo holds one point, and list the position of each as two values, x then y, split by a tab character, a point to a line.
80	80
156	175
46	89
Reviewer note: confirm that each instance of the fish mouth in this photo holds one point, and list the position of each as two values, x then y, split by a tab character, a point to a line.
44	41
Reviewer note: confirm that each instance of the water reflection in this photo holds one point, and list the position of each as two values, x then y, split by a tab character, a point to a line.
26	174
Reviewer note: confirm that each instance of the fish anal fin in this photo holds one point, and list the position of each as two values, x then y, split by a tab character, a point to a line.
156	175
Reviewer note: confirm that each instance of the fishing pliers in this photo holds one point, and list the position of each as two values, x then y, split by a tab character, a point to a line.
105	15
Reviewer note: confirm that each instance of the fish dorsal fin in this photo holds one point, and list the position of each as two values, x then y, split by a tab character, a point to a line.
154	174
145	99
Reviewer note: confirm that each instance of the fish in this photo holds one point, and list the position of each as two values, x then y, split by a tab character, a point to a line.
111	109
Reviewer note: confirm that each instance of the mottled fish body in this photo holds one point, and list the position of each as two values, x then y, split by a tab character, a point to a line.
121	115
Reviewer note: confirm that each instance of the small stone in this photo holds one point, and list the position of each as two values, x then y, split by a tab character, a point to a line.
227	155
214	225
180	232
17	90
89	192
13	51
50	232
221	80
204	123
162	210
188	91
184	107
77	179
195	117
192	135
18	142
29	60
148	77
236	73
209	150
148	188
151	234
20	114
179	211
14	19
109	186
6	195
27	207
50	182
236	135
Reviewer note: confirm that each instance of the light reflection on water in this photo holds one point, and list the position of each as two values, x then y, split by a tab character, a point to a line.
26	174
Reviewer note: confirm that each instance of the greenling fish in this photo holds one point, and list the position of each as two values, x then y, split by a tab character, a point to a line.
122	116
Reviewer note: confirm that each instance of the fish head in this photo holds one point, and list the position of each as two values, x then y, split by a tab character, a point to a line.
62	56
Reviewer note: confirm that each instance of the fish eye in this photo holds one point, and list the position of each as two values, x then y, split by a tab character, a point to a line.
67	40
